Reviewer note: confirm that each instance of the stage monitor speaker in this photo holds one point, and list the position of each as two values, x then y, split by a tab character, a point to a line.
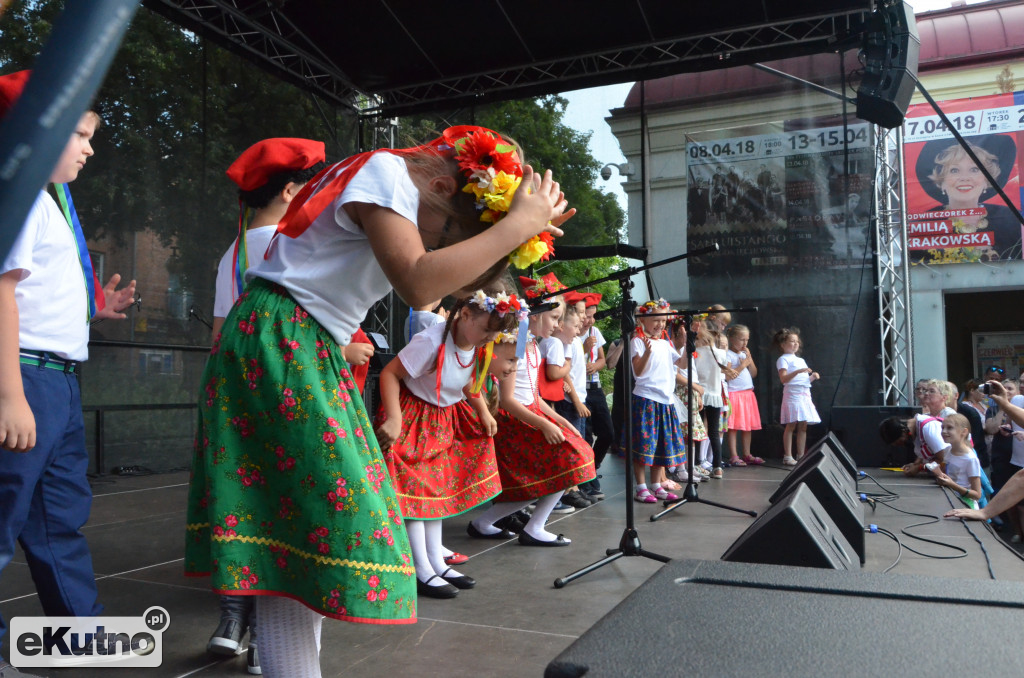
856	428
797	530
837	493
890	52
803	623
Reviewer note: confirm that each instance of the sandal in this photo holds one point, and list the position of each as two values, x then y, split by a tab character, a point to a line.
717	474
672	485
644	496
665	496
736	461
788	461
753	461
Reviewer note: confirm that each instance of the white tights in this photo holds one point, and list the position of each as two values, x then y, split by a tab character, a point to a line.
289	638
537	520
427	552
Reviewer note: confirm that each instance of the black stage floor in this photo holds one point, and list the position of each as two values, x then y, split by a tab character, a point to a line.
514	622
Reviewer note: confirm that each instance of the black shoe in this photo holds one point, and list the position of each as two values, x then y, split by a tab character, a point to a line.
526	539
462	582
477	534
575	499
561	508
511	523
225	640
442	591
252	660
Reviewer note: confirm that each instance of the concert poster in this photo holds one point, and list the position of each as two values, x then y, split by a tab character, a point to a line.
953	213
777	196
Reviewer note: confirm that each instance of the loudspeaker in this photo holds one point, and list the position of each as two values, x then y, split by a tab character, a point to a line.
803	622
890	52
857	430
835	491
796	530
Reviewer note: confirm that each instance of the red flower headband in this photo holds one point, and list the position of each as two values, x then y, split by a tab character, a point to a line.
534	288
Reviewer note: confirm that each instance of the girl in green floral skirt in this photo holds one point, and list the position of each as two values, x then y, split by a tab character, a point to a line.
290	498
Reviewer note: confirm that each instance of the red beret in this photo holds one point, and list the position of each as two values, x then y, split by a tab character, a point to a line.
266	158
572	298
11	86
592	299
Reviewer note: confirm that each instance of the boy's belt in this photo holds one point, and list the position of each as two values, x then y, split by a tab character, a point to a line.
48	360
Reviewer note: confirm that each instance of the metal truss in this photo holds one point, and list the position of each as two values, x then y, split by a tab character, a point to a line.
692	53
264	34
893	269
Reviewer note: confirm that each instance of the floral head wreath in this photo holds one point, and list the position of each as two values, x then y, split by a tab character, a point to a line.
501	303
534	288
652	307
494	171
507	337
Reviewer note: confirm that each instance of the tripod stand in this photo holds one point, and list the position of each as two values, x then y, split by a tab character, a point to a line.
690	490
629	543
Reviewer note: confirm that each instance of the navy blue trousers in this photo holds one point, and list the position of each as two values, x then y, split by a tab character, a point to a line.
45	498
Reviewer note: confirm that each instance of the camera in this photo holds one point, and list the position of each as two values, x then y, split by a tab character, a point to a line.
986	389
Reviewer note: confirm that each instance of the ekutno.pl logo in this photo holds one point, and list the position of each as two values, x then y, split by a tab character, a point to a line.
129	642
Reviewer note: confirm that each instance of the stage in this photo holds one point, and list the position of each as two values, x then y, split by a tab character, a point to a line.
514	622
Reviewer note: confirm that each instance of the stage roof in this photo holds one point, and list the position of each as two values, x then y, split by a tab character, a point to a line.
394	57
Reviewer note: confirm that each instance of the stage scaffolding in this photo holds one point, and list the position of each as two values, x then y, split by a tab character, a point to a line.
893	270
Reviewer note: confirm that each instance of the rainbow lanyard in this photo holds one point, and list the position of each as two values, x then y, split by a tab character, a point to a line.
241	253
67	206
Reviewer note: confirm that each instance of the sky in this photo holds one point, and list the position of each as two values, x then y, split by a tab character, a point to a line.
588	109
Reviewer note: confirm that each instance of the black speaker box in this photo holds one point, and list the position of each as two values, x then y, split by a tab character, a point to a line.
796	530
803	623
857	430
890	51
835	490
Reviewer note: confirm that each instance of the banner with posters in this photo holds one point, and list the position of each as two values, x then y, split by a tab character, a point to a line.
776	195
953	214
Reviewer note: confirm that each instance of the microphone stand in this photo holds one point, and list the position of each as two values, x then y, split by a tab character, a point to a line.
629	543
690	491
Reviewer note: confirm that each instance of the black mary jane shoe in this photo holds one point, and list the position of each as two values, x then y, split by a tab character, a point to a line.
526	539
442	591
462	582
477	534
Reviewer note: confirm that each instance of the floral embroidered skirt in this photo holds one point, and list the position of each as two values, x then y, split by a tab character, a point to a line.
289	494
531	468
657	435
679	403
442	463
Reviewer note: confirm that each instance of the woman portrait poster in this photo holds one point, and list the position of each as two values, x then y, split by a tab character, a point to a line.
954	214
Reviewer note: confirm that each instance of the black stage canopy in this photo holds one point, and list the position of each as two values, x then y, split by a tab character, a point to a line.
395	57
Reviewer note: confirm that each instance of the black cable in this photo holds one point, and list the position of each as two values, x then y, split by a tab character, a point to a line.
988	560
899	545
1002	541
887	490
933	519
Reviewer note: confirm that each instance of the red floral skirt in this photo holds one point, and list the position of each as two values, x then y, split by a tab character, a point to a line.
442	463
530	467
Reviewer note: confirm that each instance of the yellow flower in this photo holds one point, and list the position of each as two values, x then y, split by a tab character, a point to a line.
529	252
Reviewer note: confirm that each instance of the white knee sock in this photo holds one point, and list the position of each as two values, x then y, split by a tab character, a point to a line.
420	556
535	528
435	552
498	510
289	638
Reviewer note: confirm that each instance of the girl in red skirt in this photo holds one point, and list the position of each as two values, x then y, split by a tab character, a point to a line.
539	453
441	456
